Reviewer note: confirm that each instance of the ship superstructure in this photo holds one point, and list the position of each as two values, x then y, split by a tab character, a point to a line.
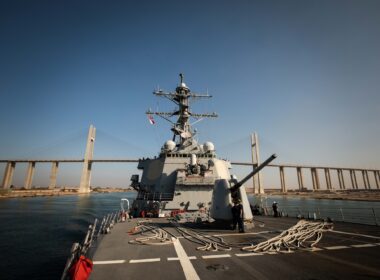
186	175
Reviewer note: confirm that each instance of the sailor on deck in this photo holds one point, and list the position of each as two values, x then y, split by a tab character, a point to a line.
237	215
275	209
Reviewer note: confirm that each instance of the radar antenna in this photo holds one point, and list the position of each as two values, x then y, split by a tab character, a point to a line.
182	130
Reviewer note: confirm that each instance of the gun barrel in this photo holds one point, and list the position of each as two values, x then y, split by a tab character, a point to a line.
256	170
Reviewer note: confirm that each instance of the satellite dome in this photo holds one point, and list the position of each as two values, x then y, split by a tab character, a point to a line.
169	145
201	148
208	147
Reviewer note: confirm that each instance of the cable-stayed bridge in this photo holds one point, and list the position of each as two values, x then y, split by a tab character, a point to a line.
347	178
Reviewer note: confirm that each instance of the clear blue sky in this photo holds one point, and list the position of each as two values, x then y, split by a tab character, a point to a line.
303	74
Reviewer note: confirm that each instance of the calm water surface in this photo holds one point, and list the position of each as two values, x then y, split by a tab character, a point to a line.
37	233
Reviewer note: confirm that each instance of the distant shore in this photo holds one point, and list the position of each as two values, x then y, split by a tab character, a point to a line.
19	193
359	195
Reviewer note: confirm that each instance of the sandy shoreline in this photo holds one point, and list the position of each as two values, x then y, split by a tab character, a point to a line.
359	195
55	192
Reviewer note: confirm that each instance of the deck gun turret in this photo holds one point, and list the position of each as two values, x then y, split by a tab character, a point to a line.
234	189
227	191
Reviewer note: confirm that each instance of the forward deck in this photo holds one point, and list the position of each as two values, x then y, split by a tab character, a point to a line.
349	251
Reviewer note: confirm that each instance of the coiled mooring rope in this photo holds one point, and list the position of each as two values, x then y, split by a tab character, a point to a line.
153	235
209	243
304	234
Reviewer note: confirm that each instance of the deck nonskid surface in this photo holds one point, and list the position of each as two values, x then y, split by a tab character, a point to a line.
350	251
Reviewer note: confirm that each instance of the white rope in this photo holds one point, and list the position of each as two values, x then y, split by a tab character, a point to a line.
209	243
304	234
153	235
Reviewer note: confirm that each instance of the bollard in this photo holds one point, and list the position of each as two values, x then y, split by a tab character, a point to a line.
341	212
374	216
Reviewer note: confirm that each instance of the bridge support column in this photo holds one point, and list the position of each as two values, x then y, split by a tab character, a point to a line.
328	179
8	174
364	180
282	179
377	178
29	175
53	175
367	179
315	179
354	182
300	178
255	151
341	179
85	180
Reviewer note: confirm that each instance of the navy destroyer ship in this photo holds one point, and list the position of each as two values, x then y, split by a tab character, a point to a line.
178	227
186	176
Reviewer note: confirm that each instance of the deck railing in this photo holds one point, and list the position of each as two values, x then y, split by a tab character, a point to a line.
368	215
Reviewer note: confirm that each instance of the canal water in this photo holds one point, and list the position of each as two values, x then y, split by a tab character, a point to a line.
37	233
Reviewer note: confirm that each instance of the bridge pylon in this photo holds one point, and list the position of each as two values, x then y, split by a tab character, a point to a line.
85	180
257	182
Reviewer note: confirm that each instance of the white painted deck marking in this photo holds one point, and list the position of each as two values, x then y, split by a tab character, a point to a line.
145	260
357	234
187	266
109	262
363	245
249	254
177	259
216	256
246	233
312	249
336	247
182	256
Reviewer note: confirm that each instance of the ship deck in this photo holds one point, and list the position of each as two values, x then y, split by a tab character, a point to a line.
349	251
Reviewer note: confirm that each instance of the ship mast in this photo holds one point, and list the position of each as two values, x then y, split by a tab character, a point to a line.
182	131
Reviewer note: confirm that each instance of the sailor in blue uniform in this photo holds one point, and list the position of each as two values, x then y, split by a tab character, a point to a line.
237	215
